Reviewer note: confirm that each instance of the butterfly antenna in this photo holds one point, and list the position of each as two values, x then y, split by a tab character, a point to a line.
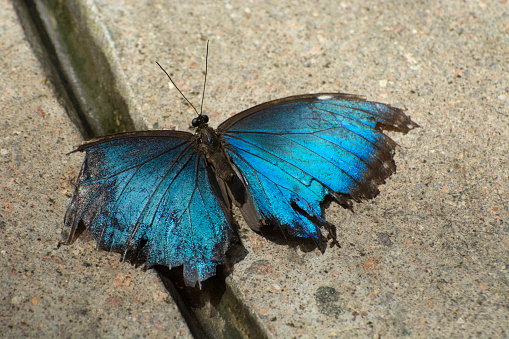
178	89
205	80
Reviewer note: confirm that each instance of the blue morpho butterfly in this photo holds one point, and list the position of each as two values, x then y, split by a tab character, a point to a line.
164	197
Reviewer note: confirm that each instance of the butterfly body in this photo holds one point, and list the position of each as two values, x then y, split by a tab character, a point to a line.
211	146
164	197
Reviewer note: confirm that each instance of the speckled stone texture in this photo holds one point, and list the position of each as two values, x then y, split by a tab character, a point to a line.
427	258
47	292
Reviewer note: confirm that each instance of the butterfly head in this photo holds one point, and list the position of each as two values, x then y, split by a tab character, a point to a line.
200	120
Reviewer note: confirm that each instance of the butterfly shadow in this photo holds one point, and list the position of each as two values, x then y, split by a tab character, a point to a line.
206	293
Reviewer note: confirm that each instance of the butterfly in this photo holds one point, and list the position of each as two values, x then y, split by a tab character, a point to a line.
165	197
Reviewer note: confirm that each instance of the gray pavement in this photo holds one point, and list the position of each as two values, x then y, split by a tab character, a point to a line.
429	257
47	292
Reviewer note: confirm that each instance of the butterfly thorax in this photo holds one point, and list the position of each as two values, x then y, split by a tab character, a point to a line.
210	145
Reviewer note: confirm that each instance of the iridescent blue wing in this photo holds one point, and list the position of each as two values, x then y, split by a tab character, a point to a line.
294	152
151	197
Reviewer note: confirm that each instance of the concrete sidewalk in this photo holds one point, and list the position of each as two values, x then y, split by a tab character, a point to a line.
429	257
47	292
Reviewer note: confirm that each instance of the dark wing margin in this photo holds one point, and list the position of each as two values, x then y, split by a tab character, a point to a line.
295	152
152	198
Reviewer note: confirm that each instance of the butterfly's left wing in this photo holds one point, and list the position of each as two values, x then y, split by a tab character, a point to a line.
151	196
294	152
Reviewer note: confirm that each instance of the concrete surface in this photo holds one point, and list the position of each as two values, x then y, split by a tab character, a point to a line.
427	258
47	292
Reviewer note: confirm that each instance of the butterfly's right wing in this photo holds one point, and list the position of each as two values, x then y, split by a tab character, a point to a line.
151	197
294	152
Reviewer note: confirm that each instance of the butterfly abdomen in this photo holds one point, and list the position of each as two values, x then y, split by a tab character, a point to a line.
211	146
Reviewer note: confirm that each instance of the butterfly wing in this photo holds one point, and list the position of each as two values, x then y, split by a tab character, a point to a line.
150	196
294	152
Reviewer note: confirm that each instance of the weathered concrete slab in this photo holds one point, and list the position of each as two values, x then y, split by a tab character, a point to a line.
48	292
429	256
